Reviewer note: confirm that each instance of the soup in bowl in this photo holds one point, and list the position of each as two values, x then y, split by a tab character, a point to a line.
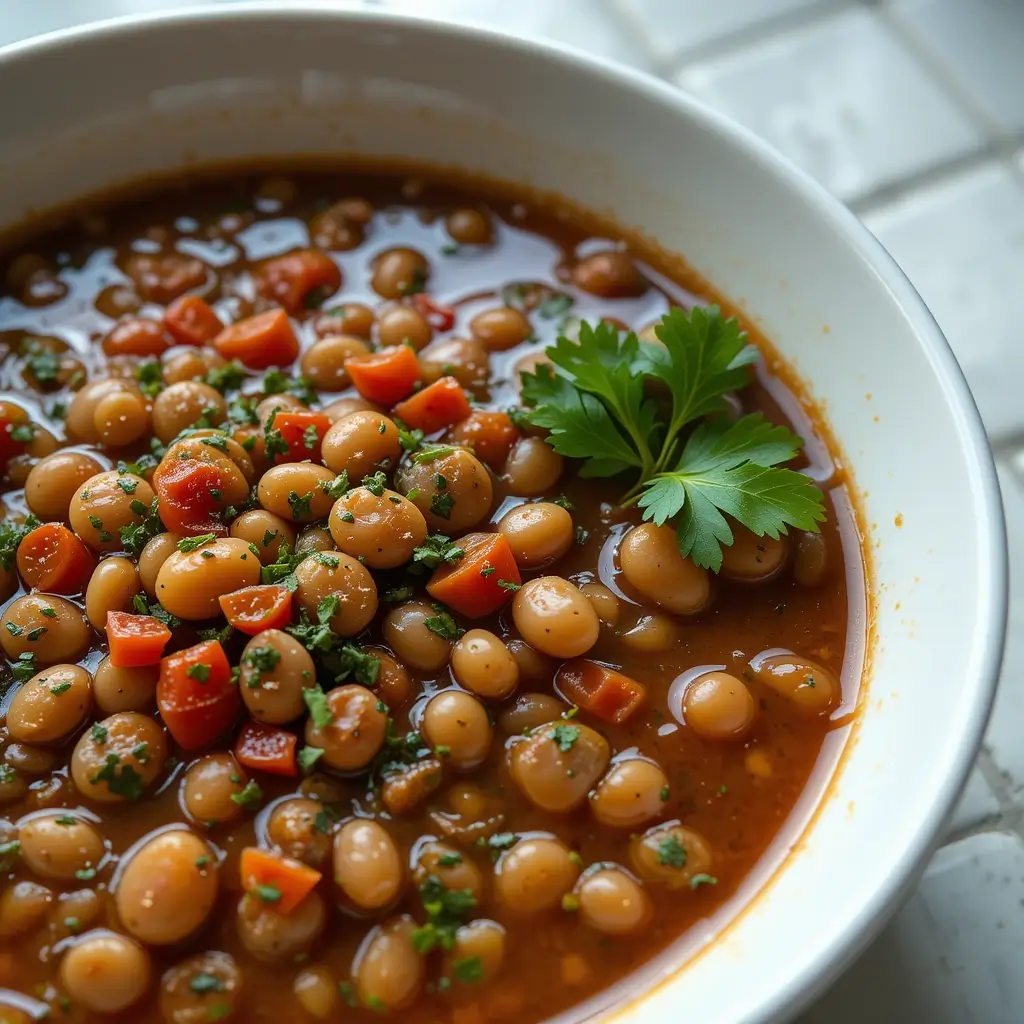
422	593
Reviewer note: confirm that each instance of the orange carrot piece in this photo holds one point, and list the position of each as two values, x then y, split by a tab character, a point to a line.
136	337
53	558
490	435
278	881
191	320
187	490
197	700
265	748
260	341
599	690
387	376
439	405
254	609
299	280
482	580
303	432
135	640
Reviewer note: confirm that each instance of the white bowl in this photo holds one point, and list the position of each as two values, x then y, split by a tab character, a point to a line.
87	109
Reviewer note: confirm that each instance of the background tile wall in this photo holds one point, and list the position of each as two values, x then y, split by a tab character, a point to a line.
912	112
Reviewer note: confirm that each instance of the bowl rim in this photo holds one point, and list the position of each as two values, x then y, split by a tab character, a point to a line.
797	990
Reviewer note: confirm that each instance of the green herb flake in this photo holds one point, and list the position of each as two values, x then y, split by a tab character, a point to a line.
308	757
121	779
199	671
671	852
203	982
698	880
376	483
268	893
443	625
469	970
98	733
250	797
300	506
565	736
441	505
319	711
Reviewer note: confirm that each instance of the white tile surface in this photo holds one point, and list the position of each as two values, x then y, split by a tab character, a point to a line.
977	805
952	955
962	244
671	26
982	45
843	98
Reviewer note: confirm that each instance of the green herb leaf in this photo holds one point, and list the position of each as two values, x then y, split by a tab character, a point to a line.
308	756
191	543
671	852
469	970
565	736
316	700
437	550
250	797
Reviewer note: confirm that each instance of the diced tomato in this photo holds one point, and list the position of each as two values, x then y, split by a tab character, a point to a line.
600	691
197	700
265	748
16	432
387	376
136	337
191	321
282	883
482	580
303	432
135	640
299	280
260	341
188	489
254	609
439	405
439	316
490	435
54	559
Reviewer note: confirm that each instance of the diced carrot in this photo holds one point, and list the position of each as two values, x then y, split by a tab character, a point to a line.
53	559
439	405
482	580
260	341
299	280
280	882
188	489
136	337
254	609
599	690
265	748
303	432
439	316
387	376
191	320
197	700
135	640
490	435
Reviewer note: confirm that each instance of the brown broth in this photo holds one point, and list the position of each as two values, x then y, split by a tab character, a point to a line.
712	789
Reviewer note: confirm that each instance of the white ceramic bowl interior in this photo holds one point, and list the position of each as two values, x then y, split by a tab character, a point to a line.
112	102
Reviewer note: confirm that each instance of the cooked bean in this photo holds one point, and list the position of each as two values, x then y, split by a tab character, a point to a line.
483	664
610	275
753	559
388	969
107	503
13	785
323	363
233	461
270	936
605	603
189	583
53	481
612	902
275	669
361	443
408	786
266	531
51	705
532	468
119	758
403	325
205	987
105	972
406	632
530	711
296	491
399	272
807	685
121	418
393	685
337	575
30	760
51	628
454	492
558	764
534	875
208	788
316	992
266	407
180	406
57	846
810	561
455	724
480	943
300	829
500	328
367	865
453	869
81	417
157	550
650	560
718	706
355	733
465	359
670	855
191	364
469	227
124	689
534	667
633	792
74	912
554	617
168	888
380	530
314	538
348	318
114	582
653	634
342	407
22	906
539	533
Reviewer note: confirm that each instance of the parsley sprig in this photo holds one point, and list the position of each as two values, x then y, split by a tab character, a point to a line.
598	407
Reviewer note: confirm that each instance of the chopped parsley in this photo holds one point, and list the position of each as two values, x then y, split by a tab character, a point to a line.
250	797
121	779
300	505
445	909
319	710
698	880
205	982
443	625
437	549
565	736
671	852
98	733
375	483
268	893
337	487
198	671
441	505
469	970
308	757
191	543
